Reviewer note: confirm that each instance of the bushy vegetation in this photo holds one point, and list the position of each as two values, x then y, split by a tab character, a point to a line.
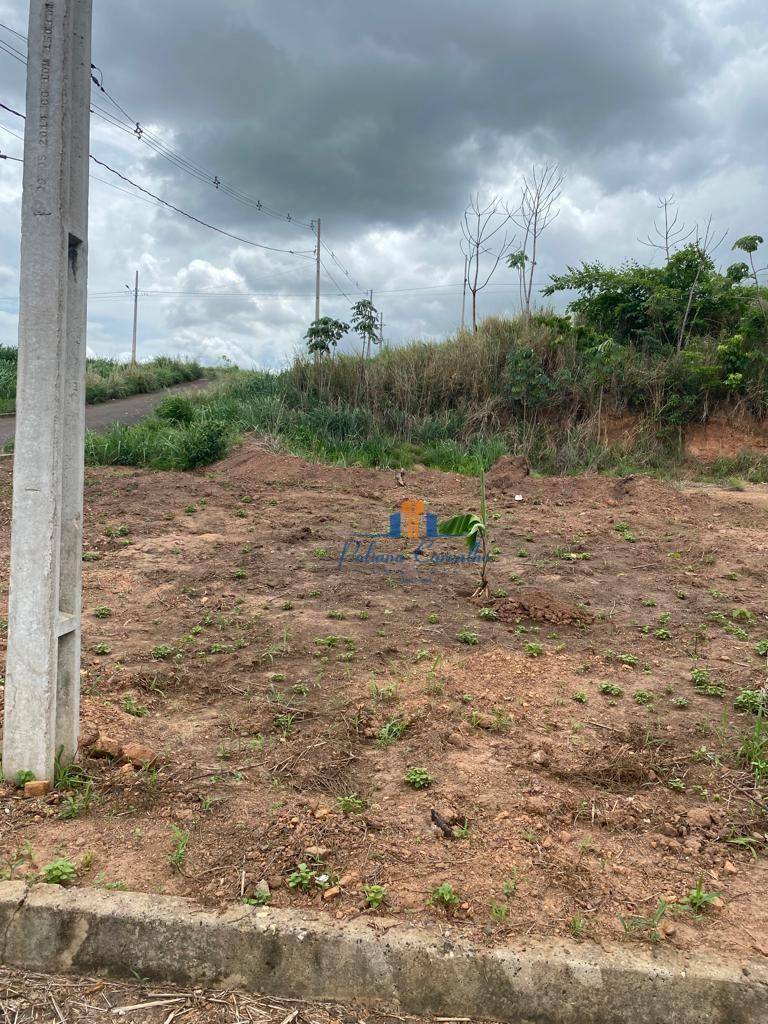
540	388
107	378
647	349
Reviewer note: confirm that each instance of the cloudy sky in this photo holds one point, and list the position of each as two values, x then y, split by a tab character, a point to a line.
382	119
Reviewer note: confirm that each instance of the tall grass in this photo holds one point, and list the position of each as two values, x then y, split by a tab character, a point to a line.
107	378
522	388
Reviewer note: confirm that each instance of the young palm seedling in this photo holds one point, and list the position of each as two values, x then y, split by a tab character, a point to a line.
474	529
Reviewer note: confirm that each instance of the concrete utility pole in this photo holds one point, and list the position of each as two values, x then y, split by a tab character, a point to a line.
135	318
42	686
317	274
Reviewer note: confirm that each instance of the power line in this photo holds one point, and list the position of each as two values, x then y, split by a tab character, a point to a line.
305	253
133	126
333	281
13	31
130	124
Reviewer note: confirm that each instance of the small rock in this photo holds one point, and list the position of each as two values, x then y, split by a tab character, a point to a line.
263	886
501	816
483	720
730	868
320	852
332	893
699	817
139	754
540	758
125	770
105	746
88	735
349	879
536	805
35	788
322	812
450	814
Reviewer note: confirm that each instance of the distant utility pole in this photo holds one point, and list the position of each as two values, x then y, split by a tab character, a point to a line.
42	685
317	273
135	318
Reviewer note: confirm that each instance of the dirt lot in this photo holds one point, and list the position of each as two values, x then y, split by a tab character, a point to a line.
287	697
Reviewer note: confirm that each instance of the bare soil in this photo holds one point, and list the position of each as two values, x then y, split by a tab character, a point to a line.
271	682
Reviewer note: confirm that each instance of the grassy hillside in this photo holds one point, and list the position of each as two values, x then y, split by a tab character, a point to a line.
106	378
542	388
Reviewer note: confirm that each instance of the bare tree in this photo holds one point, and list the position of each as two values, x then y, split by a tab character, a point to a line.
706	244
539	195
671	235
482	244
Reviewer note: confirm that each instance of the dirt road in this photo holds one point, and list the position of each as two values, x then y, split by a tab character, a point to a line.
119	410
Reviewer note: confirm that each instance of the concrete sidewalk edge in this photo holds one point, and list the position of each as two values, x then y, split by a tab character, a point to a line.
287	953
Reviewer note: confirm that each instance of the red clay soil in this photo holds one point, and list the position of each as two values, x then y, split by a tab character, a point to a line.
221	632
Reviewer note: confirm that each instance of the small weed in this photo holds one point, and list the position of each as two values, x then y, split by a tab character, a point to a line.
302	878
178	855
611	689
130	707
499	912
509	885
375	896
754	701
59	872
444	896
392	730
488	614
466	636
351	804
258	898
580	697
102	611
646	927
625	533
533	649
697	900
320	553
433	619
643	697
577	926
744	615
418	778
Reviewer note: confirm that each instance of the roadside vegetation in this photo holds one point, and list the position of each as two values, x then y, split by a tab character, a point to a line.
542	387
641	354
106	378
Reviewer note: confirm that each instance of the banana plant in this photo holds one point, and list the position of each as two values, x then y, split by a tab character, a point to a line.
474	530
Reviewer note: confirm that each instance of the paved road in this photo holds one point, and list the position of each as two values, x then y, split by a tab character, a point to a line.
118	410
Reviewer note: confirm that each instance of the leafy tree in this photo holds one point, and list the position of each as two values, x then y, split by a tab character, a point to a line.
749	244
653	308
365	322
324	334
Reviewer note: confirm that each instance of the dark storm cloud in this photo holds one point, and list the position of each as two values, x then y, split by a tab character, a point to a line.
382	118
389	113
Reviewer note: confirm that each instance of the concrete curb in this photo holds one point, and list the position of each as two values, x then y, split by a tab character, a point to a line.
292	954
